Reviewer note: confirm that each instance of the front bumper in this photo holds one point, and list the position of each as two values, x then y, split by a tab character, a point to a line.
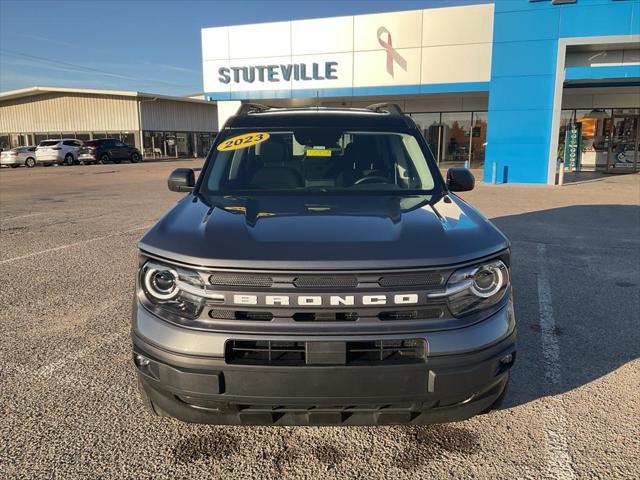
463	375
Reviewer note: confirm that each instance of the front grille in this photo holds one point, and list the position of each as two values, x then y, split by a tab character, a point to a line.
265	352
326	281
423	279
240	280
295	353
386	351
422	314
220	314
325	316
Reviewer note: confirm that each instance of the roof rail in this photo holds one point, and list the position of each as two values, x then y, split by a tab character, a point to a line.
246	108
392	108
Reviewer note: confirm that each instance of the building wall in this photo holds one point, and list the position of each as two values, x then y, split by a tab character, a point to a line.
64	112
406	52
168	115
614	97
522	100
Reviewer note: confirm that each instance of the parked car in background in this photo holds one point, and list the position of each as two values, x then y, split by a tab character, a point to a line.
64	151
106	150
19	156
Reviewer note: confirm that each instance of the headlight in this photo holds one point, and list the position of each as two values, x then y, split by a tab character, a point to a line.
170	290
478	287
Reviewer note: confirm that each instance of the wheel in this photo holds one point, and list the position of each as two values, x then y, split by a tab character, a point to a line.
30	162
135	158
14	165
149	406
103	159
68	159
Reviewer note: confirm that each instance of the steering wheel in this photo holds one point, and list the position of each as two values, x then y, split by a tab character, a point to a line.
371	179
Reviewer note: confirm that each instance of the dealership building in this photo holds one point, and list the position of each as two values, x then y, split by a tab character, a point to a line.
159	125
511	86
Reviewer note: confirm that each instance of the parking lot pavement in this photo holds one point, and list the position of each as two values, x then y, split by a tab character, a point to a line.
69	406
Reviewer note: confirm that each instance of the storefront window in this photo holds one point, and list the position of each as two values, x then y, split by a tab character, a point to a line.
184	144
429	125
204	143
128	138
4	142
478	138
85	137
97	135
456	136
594	143
170	144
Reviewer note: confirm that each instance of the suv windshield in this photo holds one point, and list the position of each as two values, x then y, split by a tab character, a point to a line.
317	160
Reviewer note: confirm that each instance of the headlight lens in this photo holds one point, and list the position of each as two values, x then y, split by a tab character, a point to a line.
478	287
166	289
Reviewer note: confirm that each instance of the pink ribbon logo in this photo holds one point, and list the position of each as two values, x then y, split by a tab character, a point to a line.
392	54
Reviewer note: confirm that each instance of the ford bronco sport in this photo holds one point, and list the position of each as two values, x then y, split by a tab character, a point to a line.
320	271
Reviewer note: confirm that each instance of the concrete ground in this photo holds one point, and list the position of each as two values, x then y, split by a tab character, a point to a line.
69	406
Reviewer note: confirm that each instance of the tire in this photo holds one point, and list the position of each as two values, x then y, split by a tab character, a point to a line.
104	159
149	406
135	158
15	165
68	160
30	162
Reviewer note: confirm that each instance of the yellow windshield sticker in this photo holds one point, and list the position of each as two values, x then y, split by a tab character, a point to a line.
243	141
318	152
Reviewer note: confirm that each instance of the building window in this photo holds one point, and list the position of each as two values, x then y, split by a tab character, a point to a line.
456	137
128	138
478	138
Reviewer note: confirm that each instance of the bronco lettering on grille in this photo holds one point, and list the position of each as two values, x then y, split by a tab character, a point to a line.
330	300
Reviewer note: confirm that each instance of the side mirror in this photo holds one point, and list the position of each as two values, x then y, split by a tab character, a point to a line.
460	180
181	180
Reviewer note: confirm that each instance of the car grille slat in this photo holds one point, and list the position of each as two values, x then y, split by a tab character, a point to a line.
240	280
294	353
423	279
326	281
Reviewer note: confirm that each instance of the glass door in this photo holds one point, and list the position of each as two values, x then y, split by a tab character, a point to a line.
624	143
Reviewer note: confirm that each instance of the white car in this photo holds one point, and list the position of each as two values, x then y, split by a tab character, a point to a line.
19	156
64	151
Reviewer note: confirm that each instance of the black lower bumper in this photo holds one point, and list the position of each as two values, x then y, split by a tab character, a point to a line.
207	390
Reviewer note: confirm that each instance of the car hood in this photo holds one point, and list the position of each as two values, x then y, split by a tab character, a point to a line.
323	232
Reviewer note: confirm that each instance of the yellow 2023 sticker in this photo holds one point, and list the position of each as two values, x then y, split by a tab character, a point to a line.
243	141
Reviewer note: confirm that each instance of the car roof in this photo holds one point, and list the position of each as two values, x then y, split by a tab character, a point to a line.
351	118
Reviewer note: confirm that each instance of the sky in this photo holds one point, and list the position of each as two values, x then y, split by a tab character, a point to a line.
144	45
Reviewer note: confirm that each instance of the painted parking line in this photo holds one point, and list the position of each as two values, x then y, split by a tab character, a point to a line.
20	216
70	245
558	461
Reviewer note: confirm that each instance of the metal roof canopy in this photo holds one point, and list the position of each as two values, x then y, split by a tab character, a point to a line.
33	91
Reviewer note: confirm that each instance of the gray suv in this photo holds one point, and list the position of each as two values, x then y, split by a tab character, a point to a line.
320	271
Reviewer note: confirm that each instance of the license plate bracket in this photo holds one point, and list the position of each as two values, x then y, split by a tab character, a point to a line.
326	353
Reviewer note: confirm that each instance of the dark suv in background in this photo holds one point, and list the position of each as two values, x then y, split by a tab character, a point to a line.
108	150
